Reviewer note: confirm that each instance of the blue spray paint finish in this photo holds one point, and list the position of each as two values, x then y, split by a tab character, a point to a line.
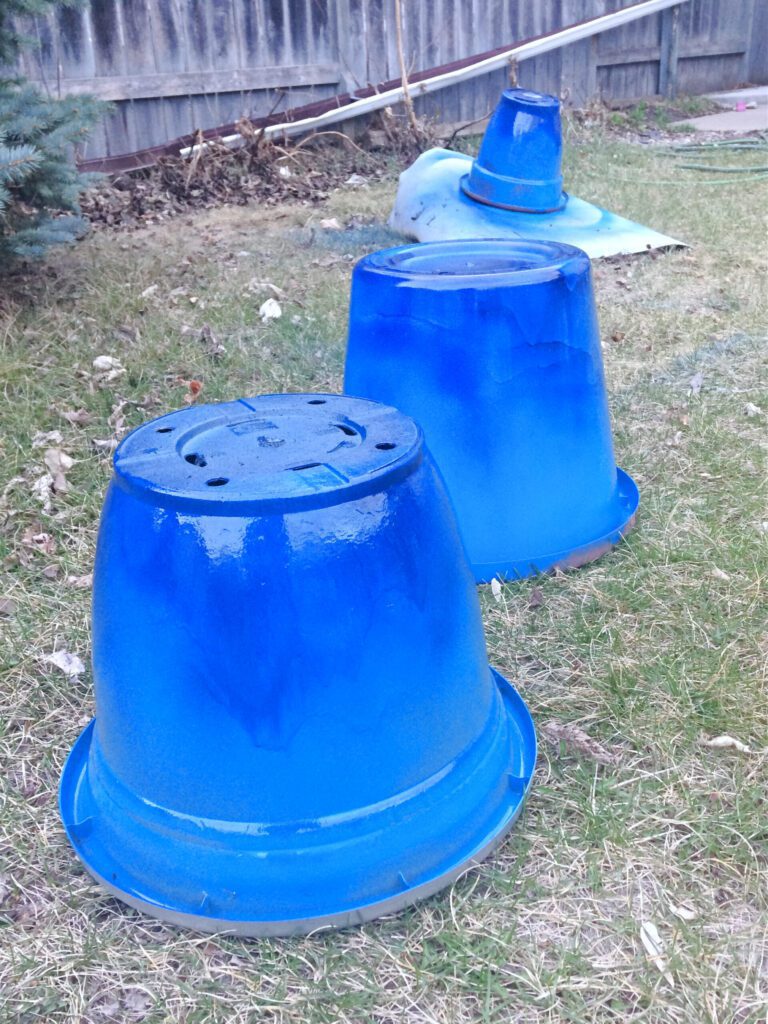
519	163
296	724
493	348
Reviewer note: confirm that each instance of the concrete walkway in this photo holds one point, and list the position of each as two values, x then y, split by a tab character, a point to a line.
753	94
733	120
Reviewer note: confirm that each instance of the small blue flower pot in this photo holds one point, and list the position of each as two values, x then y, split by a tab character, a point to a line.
519	163
493	348
296	723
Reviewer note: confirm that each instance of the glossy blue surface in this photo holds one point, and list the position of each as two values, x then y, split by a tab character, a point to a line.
493	347
519	163
295	724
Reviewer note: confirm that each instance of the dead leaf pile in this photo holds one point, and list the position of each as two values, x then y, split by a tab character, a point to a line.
217	175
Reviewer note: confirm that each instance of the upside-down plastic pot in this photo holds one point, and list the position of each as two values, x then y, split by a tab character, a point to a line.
493	348
519	163
296	724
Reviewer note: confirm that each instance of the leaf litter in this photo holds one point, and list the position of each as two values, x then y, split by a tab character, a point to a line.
70	664
577	741
654	947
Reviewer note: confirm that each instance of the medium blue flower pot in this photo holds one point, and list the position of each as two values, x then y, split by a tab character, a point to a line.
296	725
493	348
519	163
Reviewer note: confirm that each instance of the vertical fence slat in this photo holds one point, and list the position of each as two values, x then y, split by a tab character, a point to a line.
108	38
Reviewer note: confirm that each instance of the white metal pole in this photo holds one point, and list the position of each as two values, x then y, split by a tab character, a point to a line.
525	51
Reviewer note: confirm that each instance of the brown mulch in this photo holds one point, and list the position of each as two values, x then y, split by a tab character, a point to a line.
217	175
258	170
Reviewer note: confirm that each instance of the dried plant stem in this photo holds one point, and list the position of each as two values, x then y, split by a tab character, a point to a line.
407	99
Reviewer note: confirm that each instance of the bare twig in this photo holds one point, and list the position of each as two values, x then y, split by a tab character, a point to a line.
340	135
452	137
407	99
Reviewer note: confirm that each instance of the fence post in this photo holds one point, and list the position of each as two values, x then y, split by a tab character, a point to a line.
670	34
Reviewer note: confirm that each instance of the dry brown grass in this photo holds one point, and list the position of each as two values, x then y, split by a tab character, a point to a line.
649	651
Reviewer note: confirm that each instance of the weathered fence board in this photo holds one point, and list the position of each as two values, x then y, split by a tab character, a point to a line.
189	83
172	66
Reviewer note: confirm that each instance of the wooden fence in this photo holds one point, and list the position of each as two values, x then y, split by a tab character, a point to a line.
171	66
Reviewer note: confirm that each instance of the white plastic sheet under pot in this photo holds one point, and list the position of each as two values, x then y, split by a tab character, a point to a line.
431	206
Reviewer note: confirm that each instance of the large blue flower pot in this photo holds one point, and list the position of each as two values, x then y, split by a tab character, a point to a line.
493	348
296	725
519	163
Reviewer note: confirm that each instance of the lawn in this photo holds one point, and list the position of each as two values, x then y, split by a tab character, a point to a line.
629	665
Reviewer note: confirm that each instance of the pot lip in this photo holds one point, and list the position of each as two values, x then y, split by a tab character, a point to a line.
627	501
159	462
465	187
74	776
428	264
